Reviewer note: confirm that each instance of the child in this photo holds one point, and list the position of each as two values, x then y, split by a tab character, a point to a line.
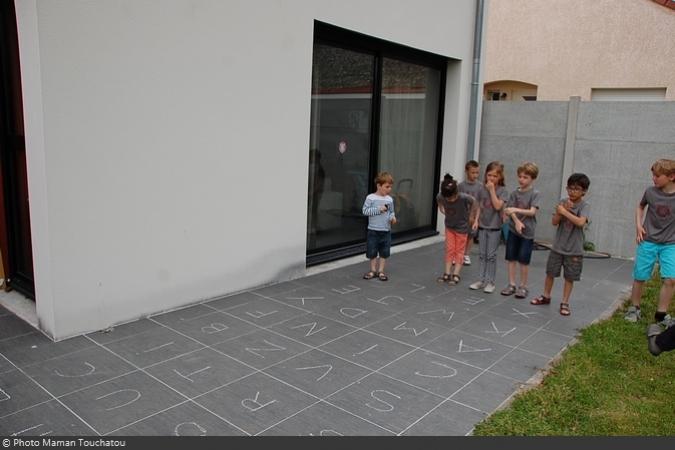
491	199
379	207
655	234
570	216
472	187
521	208
460	210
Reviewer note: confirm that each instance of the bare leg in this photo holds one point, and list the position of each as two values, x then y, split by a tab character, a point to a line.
567	291
636	293
666	294
382	263
512	272
548	286
373	265
523	275
448	267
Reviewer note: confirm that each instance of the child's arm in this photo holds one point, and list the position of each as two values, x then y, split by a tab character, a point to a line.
369	209
639	218
563	211
392	214
474	214
440	207
497	202
531	211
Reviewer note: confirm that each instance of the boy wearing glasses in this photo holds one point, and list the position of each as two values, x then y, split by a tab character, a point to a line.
570	216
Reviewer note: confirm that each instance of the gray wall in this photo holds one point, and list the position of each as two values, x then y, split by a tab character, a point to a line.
614	143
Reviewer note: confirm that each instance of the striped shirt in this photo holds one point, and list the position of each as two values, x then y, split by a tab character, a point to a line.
378	220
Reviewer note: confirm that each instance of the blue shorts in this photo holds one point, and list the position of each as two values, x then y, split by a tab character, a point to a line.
519	249
378	242
647	254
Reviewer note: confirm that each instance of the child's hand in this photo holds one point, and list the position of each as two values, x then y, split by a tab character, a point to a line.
490	186
508	211
520	226
393	221
384	208
640	235
560	209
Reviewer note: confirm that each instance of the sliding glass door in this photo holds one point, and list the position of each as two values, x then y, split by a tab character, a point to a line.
375	106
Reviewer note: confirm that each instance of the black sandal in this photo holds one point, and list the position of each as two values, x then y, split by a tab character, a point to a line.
565	309
382	276
454	279
444	278
370	275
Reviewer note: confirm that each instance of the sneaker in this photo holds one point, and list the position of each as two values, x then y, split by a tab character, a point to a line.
476	285
489	288
633	314
467	260
653	330
667	322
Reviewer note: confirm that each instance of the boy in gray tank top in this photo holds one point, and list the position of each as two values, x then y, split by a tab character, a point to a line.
570	216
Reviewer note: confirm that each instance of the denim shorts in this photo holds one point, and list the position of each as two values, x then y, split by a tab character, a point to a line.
647	254
519	249
378	242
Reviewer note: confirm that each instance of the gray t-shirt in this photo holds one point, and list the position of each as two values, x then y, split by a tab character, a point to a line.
569	238
491	218
457	212
470	188
660	217
524	200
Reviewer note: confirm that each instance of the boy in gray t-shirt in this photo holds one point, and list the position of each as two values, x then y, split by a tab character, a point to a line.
472	187
655	235
570	216
521	208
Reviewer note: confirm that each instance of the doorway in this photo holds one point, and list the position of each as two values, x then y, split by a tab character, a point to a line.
15	236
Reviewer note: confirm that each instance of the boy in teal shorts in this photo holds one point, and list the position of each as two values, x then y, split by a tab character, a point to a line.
655	235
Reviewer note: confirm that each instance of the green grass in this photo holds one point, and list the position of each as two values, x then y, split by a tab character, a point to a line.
606	384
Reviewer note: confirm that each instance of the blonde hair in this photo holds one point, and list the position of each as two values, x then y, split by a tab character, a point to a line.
529	168
664	167
383	178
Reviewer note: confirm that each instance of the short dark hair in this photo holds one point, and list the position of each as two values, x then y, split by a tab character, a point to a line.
579	179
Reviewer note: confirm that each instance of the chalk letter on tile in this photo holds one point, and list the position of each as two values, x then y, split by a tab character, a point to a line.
187	377
389	406
402	326
311	331
214	328
347	289
318	367
254	401
352	313
136	396
273	348
451	371
91	370
189	429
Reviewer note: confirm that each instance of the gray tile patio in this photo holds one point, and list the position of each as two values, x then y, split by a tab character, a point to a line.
328	354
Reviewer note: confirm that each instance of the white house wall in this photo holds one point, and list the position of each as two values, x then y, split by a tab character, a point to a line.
168	142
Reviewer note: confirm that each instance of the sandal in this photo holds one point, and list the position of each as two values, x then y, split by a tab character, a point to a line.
454	279
541	300
370	275
564	309
382	276
509	290
521	292
443	278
